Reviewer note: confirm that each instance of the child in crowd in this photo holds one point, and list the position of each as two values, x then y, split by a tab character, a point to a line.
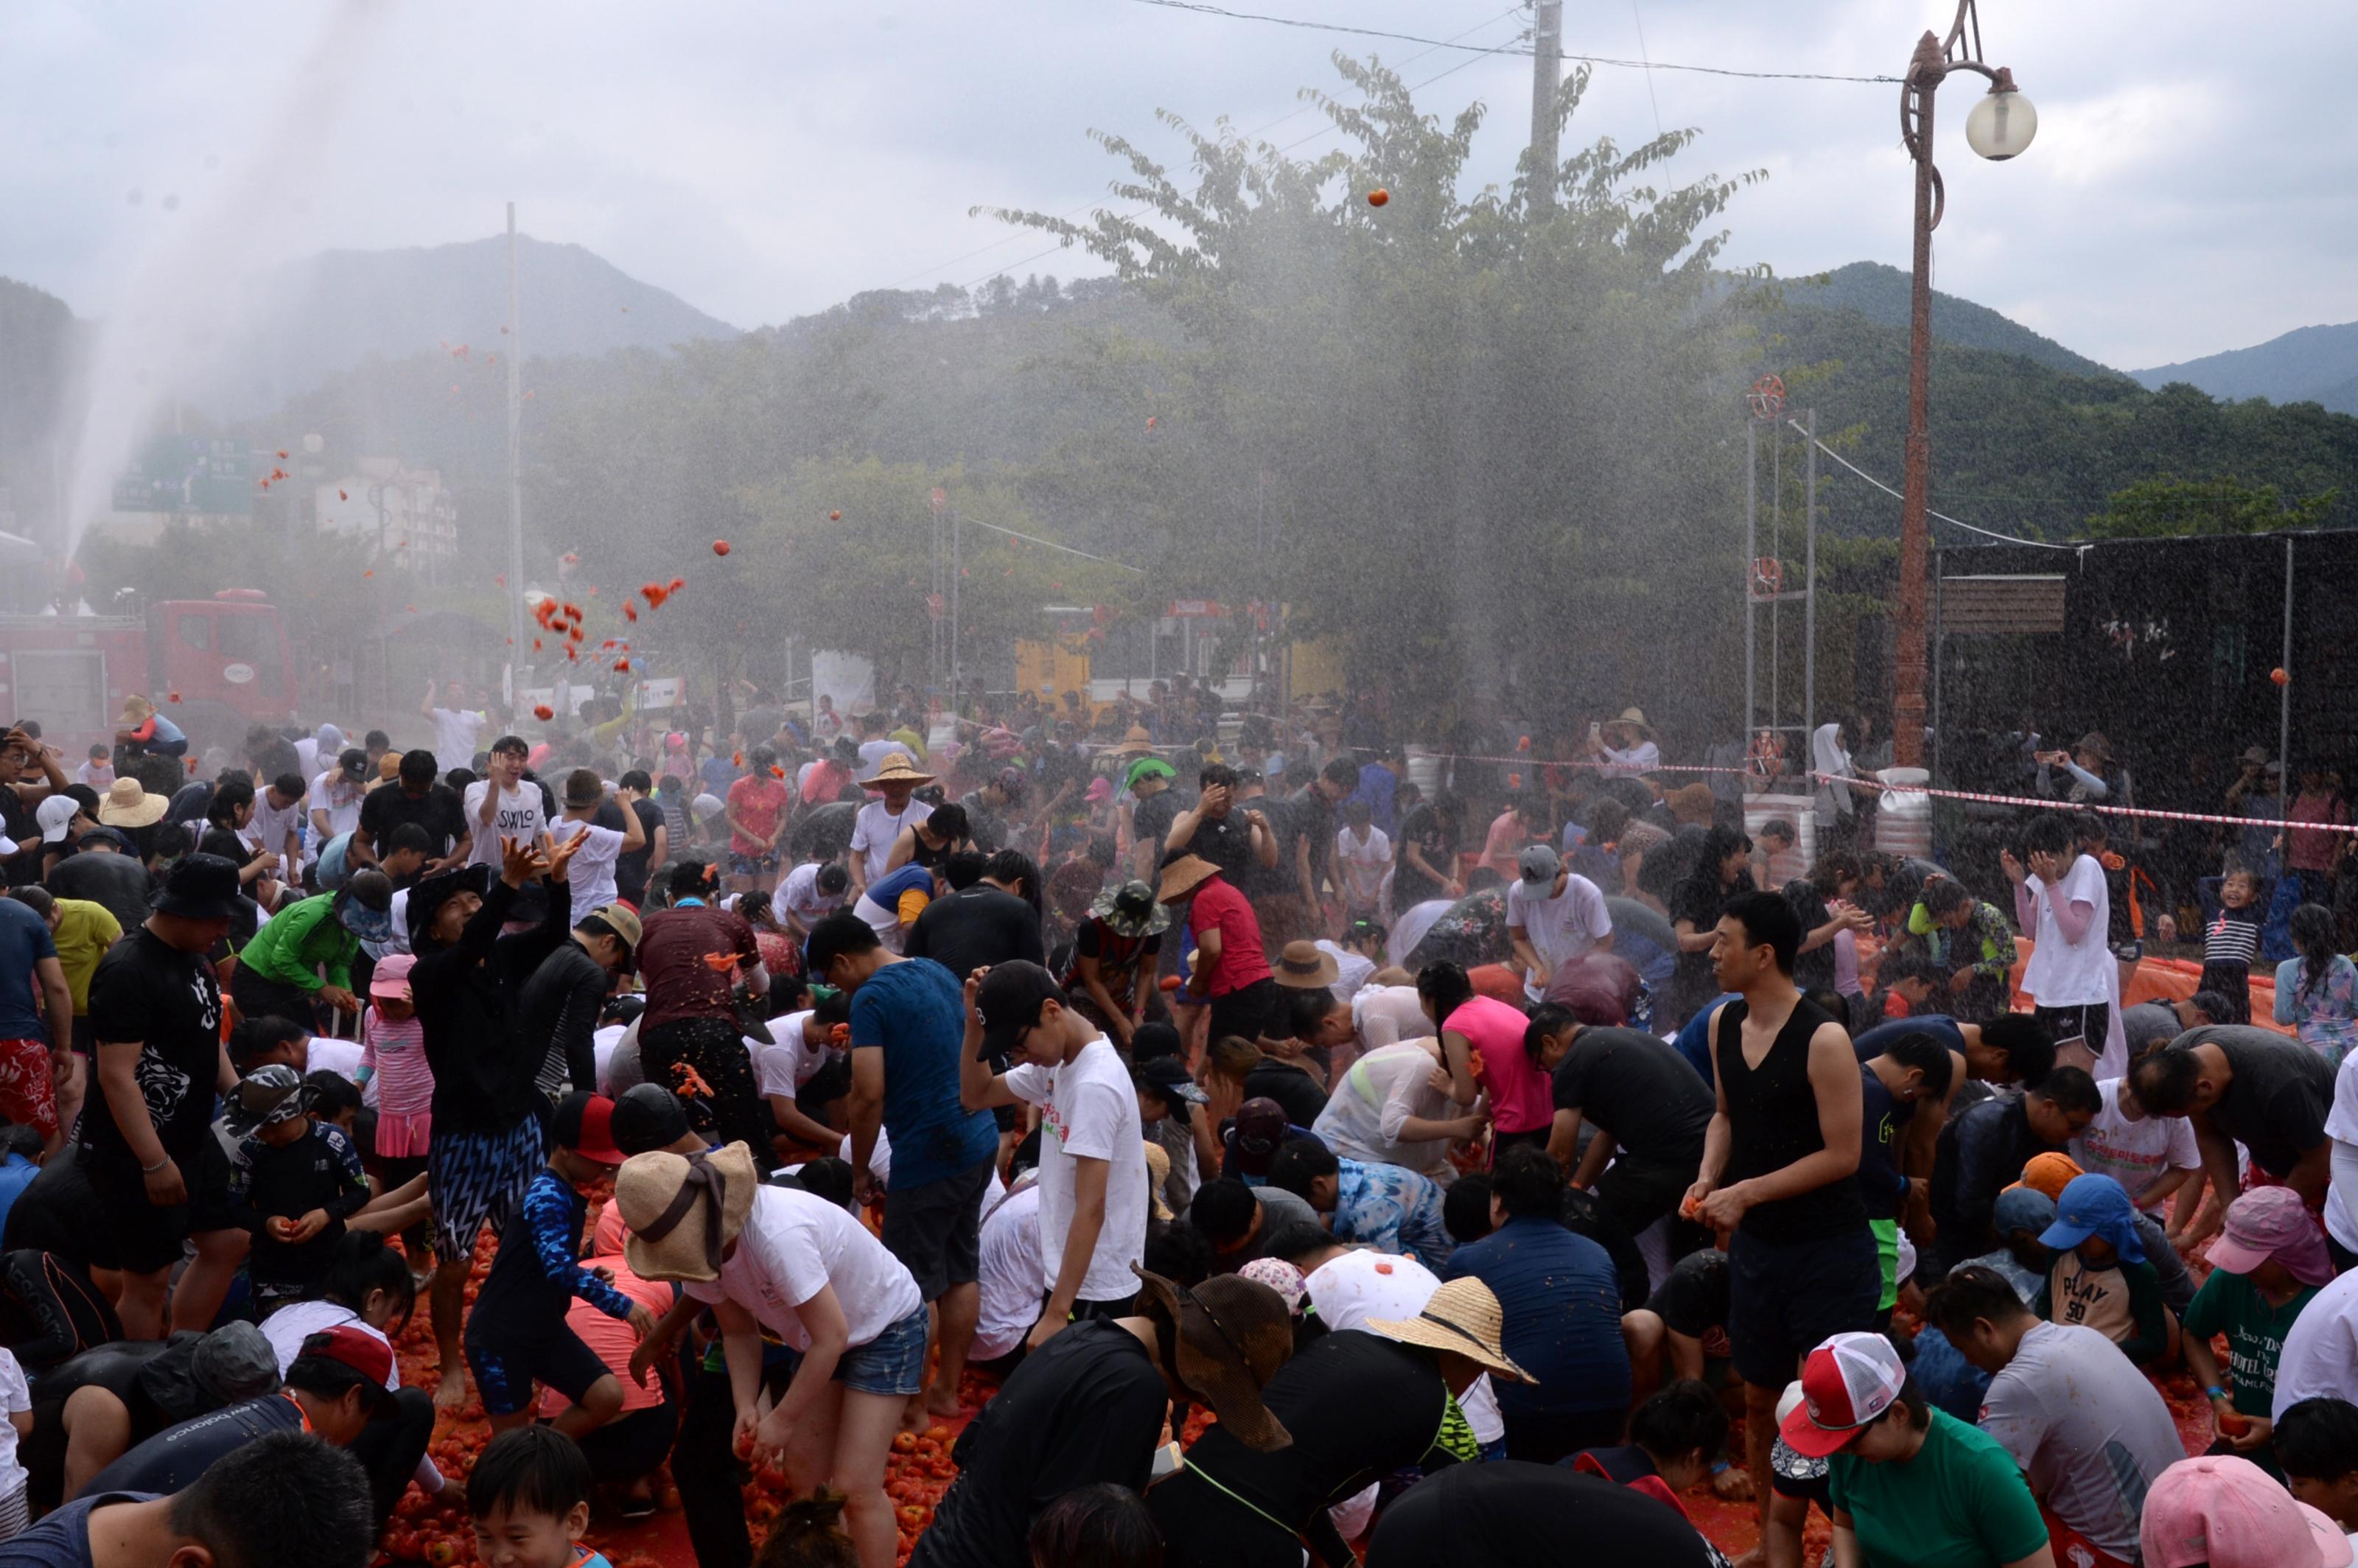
2100	1276
294	1184
393	1052
2317	1443
516	1332
2265	1269
2317	993
529	1496
810	1534
1363	853
2230	941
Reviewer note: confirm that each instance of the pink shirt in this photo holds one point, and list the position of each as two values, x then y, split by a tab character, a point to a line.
1523	1097
395	1053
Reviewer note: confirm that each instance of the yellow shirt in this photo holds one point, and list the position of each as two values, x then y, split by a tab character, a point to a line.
85	931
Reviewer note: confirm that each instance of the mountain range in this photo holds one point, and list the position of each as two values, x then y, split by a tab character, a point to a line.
2309	364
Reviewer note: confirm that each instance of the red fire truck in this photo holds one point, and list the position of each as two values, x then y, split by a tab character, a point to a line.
226	659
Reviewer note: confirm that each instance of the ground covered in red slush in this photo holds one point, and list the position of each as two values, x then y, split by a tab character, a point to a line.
436	1532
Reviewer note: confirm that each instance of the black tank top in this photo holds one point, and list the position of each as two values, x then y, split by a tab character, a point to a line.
1773	1115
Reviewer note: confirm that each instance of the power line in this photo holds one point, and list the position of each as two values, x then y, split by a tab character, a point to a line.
1968	528
1050	544
1073	213
1197	5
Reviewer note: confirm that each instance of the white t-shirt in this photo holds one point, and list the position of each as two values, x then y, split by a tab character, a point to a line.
522	813
2134	1154
1642	758
2321	1351
602	1046
794	1060
2059	974
800	900
872	754
343	814
455	730
1362	864
591	875
1386	1015
1373	1100
271	825
296	1321
1351	970
874	831
1009	1270
15	1399
795	1244
325	1054
1088	1108
1564	929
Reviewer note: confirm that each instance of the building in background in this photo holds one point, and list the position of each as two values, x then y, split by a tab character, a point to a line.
408	514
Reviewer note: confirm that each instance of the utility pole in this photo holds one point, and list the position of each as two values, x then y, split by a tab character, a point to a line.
1547	59
516	470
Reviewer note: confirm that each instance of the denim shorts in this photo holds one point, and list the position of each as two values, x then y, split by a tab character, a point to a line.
893	1363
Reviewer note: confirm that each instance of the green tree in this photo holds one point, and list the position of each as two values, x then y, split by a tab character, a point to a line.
1454	430
2169	507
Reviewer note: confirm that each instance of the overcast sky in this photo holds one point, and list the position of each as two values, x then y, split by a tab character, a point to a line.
2192	189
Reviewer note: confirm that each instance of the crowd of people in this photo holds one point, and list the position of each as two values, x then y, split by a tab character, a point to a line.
1509	1153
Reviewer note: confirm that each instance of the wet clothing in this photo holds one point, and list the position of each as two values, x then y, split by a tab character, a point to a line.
1773	1118
466	996
516	1330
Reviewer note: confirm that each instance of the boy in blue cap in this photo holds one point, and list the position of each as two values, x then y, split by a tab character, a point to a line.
2100	1276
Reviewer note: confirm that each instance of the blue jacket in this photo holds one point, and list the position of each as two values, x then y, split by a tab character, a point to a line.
1562	1305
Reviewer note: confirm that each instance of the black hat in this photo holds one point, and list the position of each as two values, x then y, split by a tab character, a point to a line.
427	899
199	887
647	1116
1008	1002
1167	1076
354	761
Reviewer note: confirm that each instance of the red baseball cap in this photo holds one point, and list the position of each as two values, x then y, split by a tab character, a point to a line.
1846	1384
365	1353
585	1124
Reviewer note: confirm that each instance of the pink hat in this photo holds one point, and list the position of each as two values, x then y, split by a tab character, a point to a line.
1847	1383
2272	1222
390	977
2229	1513
1100	788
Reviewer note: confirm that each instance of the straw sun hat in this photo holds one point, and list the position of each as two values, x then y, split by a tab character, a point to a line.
897	769
1462	1316
683	1210
1183	876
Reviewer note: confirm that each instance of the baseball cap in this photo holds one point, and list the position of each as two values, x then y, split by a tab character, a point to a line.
622	919
354	763
1846	1384
1167	1076
1540	865
365	1353
1008	1003
2229	1513
265	1098
56	815
584	1123
2094	1205
2272	1222
391	977
1258	1133
646	1117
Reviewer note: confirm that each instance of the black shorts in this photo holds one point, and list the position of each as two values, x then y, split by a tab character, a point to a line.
2085	1021
506	1366
1634	1193
936	1228
138	1237
1244	1013
1787	1298
208	1176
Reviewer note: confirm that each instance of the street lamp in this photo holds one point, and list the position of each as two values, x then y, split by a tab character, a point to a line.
1999	127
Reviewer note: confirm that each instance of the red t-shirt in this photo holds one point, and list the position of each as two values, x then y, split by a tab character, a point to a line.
1219	904
757	803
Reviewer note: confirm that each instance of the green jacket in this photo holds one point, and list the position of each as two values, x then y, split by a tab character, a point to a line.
298	942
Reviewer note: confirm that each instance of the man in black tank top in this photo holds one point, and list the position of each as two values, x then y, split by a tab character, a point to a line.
1777	1166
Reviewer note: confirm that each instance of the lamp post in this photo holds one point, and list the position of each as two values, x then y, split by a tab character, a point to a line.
1998	128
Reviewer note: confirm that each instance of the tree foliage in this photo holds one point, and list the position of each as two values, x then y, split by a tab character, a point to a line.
2169	507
